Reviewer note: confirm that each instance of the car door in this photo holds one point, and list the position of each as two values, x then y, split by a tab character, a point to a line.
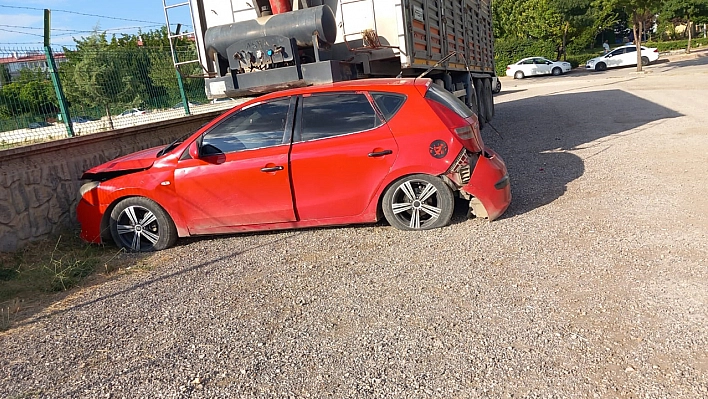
527	67
615	57
241	174
541	66
341	153
630	56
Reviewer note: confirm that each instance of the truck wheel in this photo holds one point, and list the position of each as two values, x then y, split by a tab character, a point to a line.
489	106
481	102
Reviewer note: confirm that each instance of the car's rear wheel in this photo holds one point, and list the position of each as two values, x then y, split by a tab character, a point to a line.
600	66
645	61
497	87
139	224
557	71
519	75
418	202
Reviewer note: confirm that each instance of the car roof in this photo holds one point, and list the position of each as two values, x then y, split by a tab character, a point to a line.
530	58
382	84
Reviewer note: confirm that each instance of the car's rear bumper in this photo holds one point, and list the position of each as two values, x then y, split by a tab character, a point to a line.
489	186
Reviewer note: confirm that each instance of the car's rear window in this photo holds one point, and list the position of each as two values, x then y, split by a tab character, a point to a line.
444	97
388	103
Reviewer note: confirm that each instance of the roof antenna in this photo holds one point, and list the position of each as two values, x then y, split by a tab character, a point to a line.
447	57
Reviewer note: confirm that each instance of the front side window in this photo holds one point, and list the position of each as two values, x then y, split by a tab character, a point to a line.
335	114
259	126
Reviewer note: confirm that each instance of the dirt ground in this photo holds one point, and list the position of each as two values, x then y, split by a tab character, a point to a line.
592	284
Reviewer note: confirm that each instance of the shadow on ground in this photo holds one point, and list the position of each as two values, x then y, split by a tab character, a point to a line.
539	134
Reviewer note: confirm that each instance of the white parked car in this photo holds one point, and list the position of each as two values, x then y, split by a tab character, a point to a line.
132	112
537	66
622	56
496	84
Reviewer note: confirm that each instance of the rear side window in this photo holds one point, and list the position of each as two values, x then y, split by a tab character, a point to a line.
388	103
335	114
446	98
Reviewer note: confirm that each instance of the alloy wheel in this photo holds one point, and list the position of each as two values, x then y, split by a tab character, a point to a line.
138	228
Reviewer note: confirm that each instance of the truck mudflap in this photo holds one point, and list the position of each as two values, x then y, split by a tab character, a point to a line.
489	187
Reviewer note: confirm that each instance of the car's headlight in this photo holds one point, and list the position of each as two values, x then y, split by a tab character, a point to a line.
88	187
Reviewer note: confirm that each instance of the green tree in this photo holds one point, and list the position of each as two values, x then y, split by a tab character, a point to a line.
5	77
97	73
640	12
684	11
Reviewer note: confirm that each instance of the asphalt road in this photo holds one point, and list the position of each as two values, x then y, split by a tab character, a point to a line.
593	283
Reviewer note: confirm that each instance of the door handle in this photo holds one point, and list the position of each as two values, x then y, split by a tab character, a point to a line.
380	153
272	169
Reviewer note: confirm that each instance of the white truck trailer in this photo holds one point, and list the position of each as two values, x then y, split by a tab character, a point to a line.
249	47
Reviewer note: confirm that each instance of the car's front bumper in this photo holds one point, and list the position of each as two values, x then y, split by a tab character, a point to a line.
489	186
89	217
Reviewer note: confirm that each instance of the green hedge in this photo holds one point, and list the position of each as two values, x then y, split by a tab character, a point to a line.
678	44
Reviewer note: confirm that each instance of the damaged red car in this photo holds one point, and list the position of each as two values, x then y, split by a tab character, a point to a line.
345	153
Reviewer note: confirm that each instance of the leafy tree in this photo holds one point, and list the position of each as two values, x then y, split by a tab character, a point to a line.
684	11
639	12
97	74
5	77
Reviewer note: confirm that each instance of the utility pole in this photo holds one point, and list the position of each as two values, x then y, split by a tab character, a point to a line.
51	65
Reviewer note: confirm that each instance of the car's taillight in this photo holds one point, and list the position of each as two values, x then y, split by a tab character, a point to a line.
656	50
464	132
464	129
508	67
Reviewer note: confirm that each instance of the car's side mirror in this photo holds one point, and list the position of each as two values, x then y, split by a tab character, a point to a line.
194	150
548	63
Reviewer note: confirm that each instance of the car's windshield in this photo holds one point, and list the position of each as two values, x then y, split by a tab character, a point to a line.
172	145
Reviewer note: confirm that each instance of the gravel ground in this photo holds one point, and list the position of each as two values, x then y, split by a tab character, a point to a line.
593	284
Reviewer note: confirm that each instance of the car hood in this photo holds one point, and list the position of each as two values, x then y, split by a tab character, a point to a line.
596	59
140	160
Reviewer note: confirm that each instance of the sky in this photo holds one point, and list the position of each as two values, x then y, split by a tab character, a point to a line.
22	21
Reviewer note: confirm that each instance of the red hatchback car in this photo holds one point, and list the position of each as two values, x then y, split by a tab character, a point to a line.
345	153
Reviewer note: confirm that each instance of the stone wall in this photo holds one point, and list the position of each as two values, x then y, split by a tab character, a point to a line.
39	184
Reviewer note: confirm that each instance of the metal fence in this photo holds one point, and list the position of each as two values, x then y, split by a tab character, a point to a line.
103	89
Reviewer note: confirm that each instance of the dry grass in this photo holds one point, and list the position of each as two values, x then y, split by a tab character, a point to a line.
31	277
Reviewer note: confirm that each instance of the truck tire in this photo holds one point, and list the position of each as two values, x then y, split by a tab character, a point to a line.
490	99
481	102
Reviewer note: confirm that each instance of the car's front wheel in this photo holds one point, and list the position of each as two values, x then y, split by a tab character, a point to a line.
519	75
418	202
139	224
600	66
557	71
